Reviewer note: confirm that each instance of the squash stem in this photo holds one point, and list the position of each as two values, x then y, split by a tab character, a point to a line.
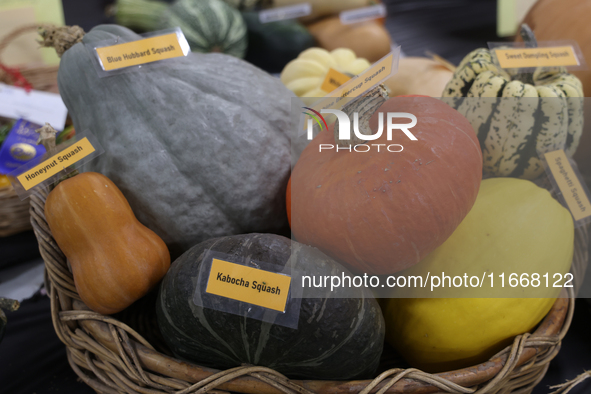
529	38
60	38
9	305
365	106
141	15
47	138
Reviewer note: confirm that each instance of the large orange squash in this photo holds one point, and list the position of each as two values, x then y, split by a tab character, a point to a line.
115	259
381	212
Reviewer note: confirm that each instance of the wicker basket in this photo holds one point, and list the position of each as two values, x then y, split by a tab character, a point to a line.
14	213
111	357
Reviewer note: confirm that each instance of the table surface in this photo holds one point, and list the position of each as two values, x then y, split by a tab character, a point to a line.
33	360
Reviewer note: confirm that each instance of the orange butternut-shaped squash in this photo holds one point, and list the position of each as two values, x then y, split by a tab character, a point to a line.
115	259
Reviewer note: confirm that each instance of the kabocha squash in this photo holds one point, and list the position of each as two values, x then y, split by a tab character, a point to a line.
304	76
369	40
381	212
339	333
208	25
115	259
514	119
200	148
514	227
272	45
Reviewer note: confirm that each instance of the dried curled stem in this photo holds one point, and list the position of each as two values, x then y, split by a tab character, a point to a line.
60	38
365	107
9	305
47	137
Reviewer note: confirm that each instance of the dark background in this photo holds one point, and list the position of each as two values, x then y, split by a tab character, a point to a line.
33	360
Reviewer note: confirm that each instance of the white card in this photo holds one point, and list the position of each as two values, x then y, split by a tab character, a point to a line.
35	106
283	13
363	14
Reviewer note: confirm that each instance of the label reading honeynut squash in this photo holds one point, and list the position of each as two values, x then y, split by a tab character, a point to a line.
537	57
55	164
334	80
247	284
138	52
573	192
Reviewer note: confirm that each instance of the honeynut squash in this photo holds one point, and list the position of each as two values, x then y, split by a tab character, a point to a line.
537	112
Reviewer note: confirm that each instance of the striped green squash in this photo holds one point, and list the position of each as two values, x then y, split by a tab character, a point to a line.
209	25
517	116
245	5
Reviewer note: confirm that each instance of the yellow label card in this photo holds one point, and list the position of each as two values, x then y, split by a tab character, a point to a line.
333	80
55	164
246	284
355	87
569	185
537	57
139	52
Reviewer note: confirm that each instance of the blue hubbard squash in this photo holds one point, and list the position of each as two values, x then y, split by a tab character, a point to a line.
336	337
198	145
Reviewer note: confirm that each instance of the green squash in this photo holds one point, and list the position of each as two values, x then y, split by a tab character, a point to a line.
246	5
336	338
517	115
272	45
208	25
198	145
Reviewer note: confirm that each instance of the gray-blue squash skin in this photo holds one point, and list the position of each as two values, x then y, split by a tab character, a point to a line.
337	338
198	145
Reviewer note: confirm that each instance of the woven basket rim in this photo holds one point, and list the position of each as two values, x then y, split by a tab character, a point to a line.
512	368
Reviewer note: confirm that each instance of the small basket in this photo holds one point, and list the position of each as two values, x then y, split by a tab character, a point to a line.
41	77
14	213
111	357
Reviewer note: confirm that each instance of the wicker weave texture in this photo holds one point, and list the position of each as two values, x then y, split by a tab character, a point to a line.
111	357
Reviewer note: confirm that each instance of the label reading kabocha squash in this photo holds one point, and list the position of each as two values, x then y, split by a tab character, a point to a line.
147	50
247	284
567	180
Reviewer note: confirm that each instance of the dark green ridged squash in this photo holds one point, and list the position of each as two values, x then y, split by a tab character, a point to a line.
337	338
272	45
208	25
198	145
